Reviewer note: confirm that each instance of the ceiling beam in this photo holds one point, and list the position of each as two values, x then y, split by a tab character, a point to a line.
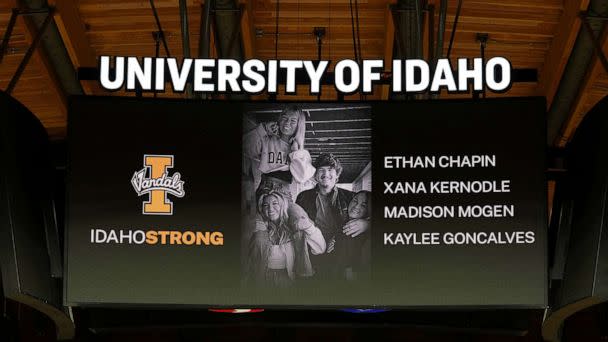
212	44
389	41
59	62
48	72
228	34
73	33
585	99
560	49
205	34
248	36
247	30
426	31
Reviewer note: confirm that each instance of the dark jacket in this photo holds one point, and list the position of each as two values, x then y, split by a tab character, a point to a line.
308	201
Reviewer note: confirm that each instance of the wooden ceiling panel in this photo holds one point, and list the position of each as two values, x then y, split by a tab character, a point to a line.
35	89
91	6
126	27
518	89
518	59
543	29
297	19
520	4
500	14
521	30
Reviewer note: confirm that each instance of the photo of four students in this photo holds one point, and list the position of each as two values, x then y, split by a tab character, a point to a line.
299	225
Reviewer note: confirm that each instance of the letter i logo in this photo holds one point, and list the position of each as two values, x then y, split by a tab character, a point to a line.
158	185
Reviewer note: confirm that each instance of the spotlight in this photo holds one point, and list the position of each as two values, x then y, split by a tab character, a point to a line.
367	311
236	311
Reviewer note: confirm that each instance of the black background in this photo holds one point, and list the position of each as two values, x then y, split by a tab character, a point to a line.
109	136
447	275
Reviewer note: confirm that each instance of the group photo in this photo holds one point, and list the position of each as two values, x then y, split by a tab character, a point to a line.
306	194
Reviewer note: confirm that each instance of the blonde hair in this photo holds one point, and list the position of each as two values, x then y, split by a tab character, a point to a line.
279	233
300	133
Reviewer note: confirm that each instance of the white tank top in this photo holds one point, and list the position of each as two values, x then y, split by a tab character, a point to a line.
277	259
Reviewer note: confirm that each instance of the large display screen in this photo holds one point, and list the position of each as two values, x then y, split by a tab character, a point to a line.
344	204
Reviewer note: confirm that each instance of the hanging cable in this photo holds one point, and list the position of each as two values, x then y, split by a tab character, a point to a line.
30	51
355	45
276	32
157	40
8	32
397	24
418	9
482	38
319	33
298	30
329	30
352	24
431	33
361	95
160	29
273	96
454	28
328	39
358	34
443	9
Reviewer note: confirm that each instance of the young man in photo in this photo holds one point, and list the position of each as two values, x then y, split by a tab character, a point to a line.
327	205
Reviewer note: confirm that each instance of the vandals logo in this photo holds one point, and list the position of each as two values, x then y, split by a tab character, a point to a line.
154	180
